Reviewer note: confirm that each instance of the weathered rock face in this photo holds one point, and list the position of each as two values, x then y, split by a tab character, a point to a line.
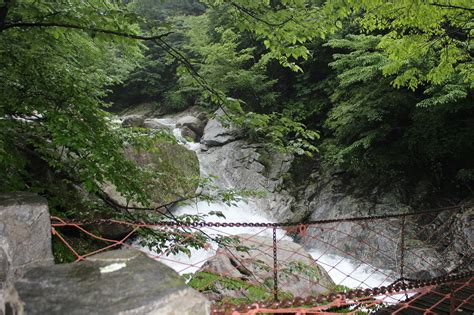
251	259
25	233
193	123
463	236
153	123
25	242
189	134
215	134
251	166
452	235
377	242
133	121
115	282
175	162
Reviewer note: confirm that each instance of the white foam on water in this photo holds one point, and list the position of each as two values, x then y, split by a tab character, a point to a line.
349	273
241	212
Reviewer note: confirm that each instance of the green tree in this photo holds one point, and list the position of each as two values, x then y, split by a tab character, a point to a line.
156	72
233	70
56	62
412	32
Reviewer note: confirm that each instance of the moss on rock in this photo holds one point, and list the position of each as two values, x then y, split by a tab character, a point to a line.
177	169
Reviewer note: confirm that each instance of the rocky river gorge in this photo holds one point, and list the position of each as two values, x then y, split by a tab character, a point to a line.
295	192
322	258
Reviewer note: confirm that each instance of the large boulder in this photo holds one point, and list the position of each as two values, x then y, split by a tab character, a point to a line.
252	166
154	123
188	134
216	134
177	166
332	195
251	259
25	242
25	233
193	123
133	121
114	282
452	235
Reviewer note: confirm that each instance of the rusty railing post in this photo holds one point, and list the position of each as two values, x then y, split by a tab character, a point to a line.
275	266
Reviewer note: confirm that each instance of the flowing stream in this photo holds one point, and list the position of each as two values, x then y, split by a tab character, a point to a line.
360	275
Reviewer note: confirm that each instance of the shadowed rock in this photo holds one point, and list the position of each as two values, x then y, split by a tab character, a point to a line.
25	233
193	123
251	259
115	282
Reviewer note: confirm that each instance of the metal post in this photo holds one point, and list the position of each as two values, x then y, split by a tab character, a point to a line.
275	266
402	256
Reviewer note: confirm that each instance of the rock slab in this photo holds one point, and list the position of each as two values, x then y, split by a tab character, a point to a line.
251	259
114	282
25	233
193	123
215	134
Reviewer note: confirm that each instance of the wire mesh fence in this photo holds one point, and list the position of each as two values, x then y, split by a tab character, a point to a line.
378	264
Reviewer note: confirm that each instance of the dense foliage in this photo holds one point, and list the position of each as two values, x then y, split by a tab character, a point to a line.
53	81
387	85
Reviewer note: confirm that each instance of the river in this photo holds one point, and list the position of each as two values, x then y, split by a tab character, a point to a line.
360	275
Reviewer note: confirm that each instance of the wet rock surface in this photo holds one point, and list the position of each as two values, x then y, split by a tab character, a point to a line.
297	194
251	259
153	123
136	121
378	242
187	133
193	123
216	134
115	282
251	166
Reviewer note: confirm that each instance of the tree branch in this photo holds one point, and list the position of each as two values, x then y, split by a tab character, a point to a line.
255	17
82	28
105	197
449	6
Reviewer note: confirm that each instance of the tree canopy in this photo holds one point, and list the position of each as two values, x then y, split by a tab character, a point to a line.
379	87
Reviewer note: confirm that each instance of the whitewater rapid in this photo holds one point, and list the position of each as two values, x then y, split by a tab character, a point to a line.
343	271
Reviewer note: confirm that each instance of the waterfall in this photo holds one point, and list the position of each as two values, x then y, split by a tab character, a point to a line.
361	275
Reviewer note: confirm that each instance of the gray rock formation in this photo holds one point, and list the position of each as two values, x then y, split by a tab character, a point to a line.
251	166
187	133
175	162
251	259
114	282
215	134
25	242
133	121
452	235
319	195
25	232
463	237
193	123
153	123
378	241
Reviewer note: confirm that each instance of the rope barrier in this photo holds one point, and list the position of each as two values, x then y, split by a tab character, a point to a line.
177	223
330	236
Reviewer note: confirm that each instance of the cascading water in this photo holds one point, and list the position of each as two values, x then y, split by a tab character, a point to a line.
360	275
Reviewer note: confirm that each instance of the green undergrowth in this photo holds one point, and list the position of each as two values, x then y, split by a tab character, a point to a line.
212	283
